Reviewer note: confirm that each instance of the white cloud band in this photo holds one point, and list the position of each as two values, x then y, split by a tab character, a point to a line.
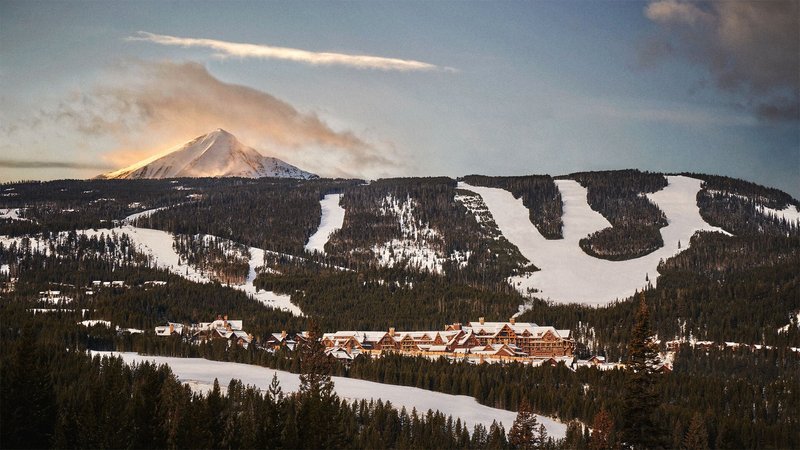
236	49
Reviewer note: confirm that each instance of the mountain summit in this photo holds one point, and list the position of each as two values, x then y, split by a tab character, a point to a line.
216	154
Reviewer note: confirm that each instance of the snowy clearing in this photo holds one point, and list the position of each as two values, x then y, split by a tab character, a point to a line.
144	214
419	244
791	214
200	374
158	244
13	214
568	275
332	220
269	298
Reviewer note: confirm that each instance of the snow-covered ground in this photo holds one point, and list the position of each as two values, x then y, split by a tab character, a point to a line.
790	213
92	323
143	214
332	220
12	213
269	298
158	244
568	274
200	374
795	320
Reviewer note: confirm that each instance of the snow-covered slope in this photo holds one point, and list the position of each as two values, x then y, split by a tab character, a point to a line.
158	244
332	220
570	275
200	374
216	154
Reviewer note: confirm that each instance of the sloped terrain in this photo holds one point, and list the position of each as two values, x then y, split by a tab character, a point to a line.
216	154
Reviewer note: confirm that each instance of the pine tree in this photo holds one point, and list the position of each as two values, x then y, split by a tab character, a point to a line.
603	433
522	432
319	413
697	435
639	426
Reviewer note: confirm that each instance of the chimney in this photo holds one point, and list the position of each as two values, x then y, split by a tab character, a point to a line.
283	334
391	331
512	321
481	320
171	328
456	326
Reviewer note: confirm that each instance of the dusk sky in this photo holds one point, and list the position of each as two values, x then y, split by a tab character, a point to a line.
375	89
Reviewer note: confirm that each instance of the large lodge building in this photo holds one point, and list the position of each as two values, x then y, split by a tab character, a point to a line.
484	340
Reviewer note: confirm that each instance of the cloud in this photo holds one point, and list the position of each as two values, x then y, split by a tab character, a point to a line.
151	106
226	49
23	164
751	49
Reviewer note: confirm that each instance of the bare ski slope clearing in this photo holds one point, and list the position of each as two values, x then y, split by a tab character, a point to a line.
200	374
568	275
332	220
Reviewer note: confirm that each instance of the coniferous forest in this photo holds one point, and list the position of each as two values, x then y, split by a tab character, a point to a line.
742	288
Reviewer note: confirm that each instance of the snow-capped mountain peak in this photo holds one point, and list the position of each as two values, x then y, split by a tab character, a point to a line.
216	154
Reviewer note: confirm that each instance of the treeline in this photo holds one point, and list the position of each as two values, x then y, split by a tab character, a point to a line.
734	205
377	299
370	222
74	267
64	205
224	260
66	399
539	194
268	213
635	220
715	385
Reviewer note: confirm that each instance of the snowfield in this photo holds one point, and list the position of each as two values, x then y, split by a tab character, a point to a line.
200	374
332	220
568	275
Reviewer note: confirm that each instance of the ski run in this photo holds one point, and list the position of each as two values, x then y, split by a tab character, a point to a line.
569	275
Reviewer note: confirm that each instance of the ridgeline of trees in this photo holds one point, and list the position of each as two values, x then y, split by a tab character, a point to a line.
733	205
65	205
635	220
370	222
377	299
539	194
268	213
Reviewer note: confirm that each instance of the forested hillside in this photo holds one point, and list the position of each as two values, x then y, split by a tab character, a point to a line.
635	221
412	254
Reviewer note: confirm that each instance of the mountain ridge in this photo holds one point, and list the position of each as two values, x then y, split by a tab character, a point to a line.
215	154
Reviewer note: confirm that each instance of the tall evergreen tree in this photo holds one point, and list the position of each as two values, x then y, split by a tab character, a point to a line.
697	435
522	434
639	426
319	411
603	433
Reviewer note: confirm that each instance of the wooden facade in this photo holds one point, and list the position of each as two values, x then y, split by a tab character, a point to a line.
491	339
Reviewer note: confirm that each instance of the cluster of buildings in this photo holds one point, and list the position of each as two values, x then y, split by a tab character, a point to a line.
219	329
481	340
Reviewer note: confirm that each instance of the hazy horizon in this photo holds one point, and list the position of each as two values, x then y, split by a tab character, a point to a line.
369	90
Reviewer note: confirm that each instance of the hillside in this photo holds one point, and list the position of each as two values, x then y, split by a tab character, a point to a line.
418	253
